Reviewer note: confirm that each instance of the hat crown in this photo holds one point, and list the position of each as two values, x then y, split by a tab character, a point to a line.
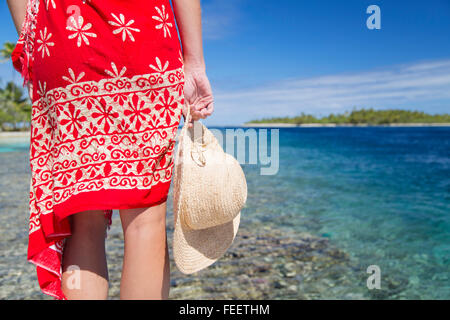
213	183
209	188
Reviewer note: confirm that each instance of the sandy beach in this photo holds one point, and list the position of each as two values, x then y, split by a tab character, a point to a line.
14	134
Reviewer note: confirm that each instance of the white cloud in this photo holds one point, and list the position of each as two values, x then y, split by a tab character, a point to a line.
422	86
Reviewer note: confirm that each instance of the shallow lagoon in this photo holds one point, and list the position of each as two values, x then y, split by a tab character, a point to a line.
342	200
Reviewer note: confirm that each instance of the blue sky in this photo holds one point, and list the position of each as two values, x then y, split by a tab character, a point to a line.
281	58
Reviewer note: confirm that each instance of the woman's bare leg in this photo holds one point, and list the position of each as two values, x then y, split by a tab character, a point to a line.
146	270
85	272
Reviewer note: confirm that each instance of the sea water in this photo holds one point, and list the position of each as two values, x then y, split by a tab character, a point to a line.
381	194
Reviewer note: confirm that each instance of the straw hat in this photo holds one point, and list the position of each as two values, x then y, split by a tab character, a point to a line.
209	192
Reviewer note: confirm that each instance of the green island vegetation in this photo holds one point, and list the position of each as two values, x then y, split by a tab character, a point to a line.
15	106
15	109
363	116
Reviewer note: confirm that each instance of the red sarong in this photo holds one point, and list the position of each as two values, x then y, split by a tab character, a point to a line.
106	83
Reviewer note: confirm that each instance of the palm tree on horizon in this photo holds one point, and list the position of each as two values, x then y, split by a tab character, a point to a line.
14	106
7	50
6	53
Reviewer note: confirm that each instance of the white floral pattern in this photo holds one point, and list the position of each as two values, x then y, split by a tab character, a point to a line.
163	18
159	67
42	89
72	78
52	2
80	30
115	73
122	27
44	43
180	57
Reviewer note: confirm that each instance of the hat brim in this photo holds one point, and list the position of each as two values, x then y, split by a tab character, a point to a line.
195	250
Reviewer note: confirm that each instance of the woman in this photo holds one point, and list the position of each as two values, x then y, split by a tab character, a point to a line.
107	81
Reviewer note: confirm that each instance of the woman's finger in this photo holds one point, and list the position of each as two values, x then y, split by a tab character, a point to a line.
196	115
208	110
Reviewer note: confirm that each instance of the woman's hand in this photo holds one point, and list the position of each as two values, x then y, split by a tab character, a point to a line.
198	94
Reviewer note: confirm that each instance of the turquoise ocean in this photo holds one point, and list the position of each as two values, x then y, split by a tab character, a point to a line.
382	194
